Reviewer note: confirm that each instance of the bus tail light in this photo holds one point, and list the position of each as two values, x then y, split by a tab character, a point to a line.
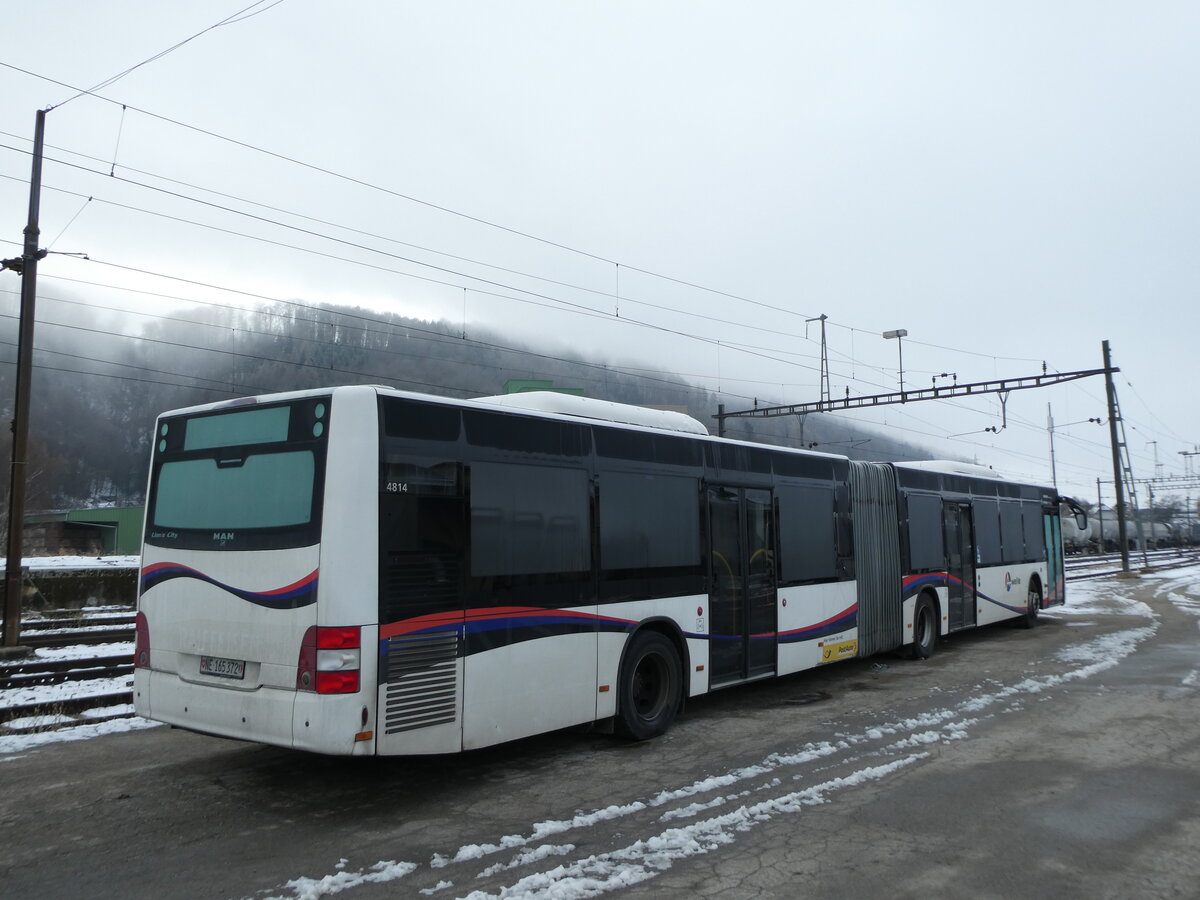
141	649
330	659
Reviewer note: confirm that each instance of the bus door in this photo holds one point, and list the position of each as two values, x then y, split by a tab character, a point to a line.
1052	531
742	593
960	564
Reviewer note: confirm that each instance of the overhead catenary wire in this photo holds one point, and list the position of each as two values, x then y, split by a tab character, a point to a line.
450	211
600	313
700	287
423	333
532	297
239	16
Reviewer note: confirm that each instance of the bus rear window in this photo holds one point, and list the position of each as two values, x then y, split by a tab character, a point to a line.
246	479
268	490
255	426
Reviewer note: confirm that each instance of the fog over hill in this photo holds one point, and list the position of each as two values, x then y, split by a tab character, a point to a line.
101	377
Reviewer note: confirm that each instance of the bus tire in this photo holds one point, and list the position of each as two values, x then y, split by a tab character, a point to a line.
925	628
1033	605
649	688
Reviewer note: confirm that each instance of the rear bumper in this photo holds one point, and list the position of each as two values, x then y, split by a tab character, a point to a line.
269	715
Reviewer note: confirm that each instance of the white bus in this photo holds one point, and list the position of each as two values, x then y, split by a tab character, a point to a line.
363	571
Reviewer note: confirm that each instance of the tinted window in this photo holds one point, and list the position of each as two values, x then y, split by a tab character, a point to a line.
955	484
987	532
1031	525
926	548
917	478
422	539
239	479
616	443
736	458
526	434
528	520
420	421
806	533
648	521
1012	537
252	426
845	532
798	465
265	490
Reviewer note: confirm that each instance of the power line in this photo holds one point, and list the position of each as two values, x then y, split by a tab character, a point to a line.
423	333
558	300
239	16
448	210
281	157
551	302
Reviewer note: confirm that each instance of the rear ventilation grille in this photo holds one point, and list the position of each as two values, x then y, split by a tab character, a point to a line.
422	681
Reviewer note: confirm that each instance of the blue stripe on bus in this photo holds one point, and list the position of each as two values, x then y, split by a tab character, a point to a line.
913	584
291	596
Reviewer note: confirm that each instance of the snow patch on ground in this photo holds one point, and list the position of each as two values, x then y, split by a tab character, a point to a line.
315	888
67	690
644	859
82	652
528	856
19	743
79	562
1100	597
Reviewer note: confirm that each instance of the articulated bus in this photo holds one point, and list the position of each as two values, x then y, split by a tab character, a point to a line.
362	571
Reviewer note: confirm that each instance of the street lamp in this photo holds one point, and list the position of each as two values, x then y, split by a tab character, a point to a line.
899	334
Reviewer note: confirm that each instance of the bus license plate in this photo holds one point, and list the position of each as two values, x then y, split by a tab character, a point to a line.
224	668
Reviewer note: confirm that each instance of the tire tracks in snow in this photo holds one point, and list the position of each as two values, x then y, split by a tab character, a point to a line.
575	856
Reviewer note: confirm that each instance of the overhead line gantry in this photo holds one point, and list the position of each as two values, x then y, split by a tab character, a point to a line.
937	392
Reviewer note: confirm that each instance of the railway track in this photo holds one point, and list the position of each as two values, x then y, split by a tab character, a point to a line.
108	678
1079	568
65	628
38	672
41	694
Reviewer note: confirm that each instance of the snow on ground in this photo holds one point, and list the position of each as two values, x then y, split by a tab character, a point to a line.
717	820
67	690
79	562
50	693
644	858
78	651
91	629
11	746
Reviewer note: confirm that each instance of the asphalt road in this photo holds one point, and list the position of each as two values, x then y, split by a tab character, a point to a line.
1058	762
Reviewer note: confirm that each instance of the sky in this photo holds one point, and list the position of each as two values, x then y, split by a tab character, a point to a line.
670	185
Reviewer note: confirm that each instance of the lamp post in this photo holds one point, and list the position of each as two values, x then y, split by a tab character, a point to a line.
899	334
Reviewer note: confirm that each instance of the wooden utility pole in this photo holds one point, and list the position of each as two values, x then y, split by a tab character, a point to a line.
26	266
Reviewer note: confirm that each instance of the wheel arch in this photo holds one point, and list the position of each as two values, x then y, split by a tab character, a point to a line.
669	629
937	608
1035	581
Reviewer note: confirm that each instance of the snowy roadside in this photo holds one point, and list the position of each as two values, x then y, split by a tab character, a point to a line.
742	800
35	563
11	745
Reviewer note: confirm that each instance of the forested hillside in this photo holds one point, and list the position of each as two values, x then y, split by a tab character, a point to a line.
100	378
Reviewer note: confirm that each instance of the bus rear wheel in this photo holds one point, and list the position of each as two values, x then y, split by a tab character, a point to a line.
925	628
1033	604
650	686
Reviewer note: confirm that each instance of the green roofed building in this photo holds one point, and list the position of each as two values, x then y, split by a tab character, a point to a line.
112	531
